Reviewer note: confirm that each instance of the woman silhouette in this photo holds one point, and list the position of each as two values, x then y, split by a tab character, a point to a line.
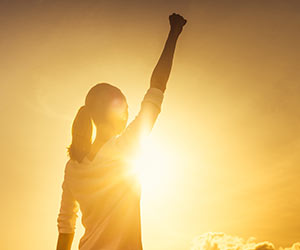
97	177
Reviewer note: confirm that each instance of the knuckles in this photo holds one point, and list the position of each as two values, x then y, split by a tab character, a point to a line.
176	19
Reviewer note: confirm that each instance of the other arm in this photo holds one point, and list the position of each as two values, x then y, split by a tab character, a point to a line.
64	241
66	219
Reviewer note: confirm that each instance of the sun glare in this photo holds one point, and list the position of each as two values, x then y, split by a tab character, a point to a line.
152	166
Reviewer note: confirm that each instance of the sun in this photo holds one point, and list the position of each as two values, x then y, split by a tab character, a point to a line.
151	165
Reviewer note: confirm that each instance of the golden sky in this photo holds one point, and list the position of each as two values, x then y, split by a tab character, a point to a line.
229	126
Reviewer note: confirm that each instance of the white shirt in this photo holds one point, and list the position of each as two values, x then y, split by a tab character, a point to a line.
105	189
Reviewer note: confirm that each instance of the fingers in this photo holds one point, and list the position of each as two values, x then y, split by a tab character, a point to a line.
177	15
176	18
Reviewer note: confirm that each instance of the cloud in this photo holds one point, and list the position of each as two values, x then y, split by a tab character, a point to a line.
222	241
295	246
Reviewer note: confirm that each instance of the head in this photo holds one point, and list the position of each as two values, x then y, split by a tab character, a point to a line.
106	107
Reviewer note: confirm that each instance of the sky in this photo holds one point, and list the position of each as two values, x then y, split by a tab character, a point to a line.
228	129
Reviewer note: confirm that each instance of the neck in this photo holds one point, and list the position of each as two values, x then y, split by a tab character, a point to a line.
101	138
104	133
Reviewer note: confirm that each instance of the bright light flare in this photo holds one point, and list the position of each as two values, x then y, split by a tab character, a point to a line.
152	166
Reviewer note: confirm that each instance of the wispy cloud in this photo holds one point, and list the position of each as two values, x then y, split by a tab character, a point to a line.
222	241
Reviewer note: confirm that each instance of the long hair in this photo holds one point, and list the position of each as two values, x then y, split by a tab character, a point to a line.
96	103
82	130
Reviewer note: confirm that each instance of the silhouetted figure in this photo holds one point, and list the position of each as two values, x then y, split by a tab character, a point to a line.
98	178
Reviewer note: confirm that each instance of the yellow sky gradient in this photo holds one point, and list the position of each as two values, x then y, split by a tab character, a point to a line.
229	124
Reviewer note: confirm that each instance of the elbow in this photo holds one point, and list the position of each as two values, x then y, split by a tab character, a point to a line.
159	81
158	84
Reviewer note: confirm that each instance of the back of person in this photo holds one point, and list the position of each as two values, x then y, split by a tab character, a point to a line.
108	194
99	179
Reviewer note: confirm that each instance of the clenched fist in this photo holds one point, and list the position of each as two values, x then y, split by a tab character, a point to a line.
176	22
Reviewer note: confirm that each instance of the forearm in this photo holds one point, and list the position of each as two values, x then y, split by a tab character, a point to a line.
65	241
162	70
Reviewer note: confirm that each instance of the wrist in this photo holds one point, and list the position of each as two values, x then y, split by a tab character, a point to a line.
174	33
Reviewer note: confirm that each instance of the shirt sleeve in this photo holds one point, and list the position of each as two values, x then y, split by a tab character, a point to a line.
129	140
68	212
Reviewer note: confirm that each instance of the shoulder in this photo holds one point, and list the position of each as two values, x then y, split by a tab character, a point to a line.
69	166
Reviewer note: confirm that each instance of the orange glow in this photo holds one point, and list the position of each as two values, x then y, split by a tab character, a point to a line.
224	153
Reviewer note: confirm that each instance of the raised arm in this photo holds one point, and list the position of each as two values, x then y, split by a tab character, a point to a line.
142	125
162	70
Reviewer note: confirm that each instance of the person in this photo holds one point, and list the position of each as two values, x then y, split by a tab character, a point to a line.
98	179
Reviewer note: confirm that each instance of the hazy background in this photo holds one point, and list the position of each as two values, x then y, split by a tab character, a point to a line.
230	120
